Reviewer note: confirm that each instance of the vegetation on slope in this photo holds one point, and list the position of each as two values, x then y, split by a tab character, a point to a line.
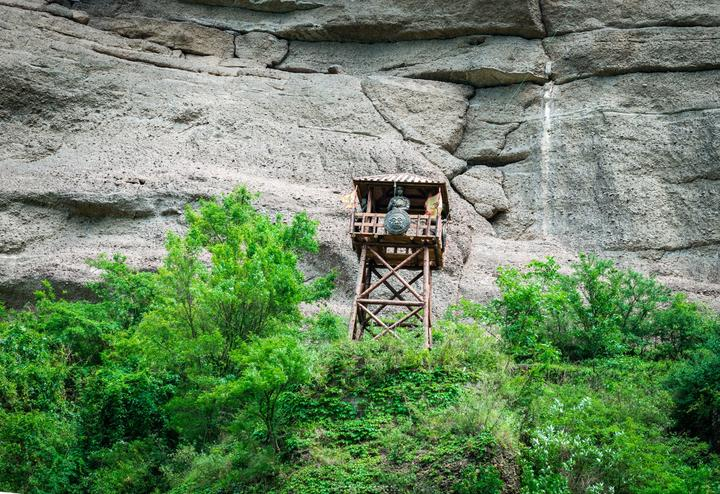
205	378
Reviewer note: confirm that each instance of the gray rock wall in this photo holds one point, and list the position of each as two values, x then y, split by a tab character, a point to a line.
560	126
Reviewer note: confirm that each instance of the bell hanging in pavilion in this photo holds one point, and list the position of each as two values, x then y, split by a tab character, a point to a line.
397	221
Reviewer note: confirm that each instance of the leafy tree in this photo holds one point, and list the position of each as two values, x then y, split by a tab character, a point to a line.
696	390
128	294
271	368
597	310
205	377
251	283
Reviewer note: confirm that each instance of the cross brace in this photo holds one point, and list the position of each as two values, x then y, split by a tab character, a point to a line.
368	293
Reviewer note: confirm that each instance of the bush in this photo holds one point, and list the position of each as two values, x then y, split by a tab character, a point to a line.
595	311
39	453
695	385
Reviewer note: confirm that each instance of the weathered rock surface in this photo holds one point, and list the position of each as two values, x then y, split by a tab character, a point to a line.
277	6
502	125
607	142
482	186
346	20
426	112
51	8
259	49
620	51
565	16
134	142
624	165
476	60
185	36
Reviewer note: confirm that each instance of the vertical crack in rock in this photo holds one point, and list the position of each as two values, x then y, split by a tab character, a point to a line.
482	186
544	20
465	119
284	57
512	128
545	149
424	112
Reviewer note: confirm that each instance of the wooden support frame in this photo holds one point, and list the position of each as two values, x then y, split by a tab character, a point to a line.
417	304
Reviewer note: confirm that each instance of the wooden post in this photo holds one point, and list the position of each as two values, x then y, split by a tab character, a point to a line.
358	291
426	297
354	207
362	318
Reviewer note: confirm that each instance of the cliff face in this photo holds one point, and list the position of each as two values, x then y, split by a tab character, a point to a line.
561	126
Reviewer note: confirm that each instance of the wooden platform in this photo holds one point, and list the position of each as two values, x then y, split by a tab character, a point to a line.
425	231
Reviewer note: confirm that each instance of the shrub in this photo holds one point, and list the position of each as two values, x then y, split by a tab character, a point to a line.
39	453
695	385
595	311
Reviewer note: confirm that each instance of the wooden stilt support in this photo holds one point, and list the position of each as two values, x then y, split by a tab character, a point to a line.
368	294
352	329
426	297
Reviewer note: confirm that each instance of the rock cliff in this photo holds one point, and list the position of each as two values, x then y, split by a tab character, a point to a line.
561	125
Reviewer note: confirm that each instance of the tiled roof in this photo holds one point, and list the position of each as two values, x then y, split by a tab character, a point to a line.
406	178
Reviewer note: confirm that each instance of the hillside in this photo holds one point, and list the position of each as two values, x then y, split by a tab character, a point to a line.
205	378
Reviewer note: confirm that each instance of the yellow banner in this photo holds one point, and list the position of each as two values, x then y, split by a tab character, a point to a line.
433	205
350	199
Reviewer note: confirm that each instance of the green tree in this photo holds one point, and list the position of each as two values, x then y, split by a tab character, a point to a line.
696	391
251	284
271	368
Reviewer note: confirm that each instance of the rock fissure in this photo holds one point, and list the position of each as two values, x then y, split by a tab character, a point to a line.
664	249
621	27
181	64
341	131
382	115
465	120
638	70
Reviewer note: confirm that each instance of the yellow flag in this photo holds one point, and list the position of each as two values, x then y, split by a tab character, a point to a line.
350	199
433	205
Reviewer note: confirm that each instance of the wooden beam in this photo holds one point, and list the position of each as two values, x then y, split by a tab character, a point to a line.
394	271
395	292
399	292
391	273
358	289
405	317
426	296
362	318
402	303
373	316
385	331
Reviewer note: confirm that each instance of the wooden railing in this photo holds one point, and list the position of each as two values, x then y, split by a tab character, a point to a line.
421	225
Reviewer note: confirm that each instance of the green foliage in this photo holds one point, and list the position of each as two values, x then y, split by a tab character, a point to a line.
695	385
271	367
355	476
597	310
95	396
119	406
325	327
38	453
128	294
252	284
126	467
483	479
205	378
605	429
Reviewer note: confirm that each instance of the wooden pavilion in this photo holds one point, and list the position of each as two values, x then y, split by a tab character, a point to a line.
397	228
